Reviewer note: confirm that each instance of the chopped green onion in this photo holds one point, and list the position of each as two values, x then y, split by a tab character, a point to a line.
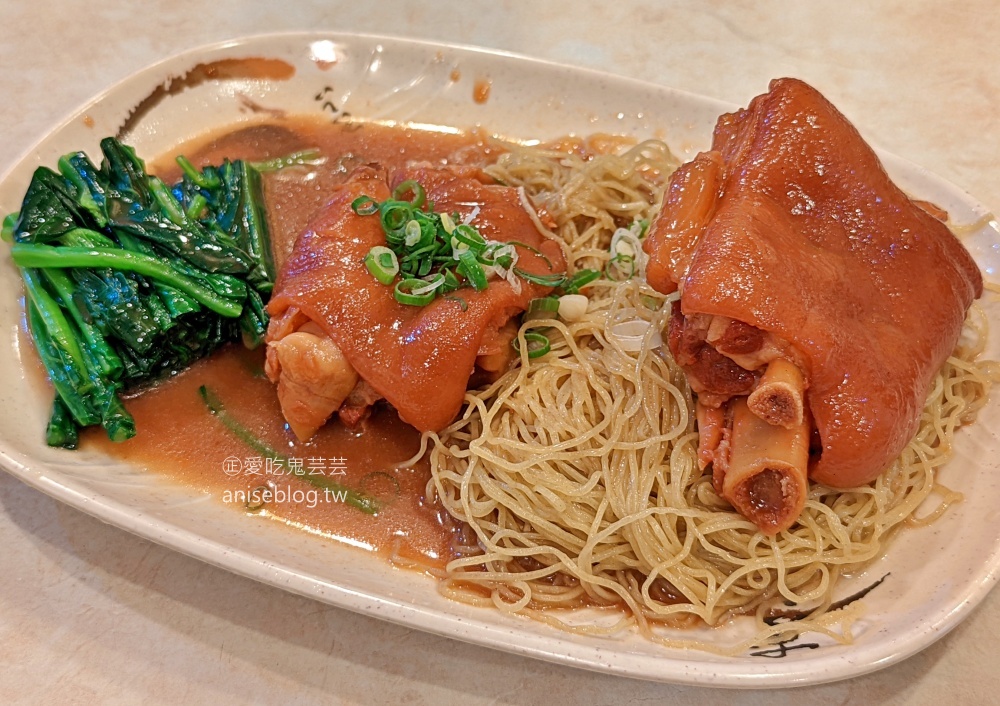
436	252
404	293
433	282
411	185
470	237
652	303
457	248
627	257
367	479
412	232
395	215
543	280
451	282
622	246
616	263
425	267
470	268
542	308
543	304
382	263
364	205
580	280
295	159
537	344
532	249
499	255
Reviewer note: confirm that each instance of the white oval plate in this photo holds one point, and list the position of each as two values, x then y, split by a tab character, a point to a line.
936	575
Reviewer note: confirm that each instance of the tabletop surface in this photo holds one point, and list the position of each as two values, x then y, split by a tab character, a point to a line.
91	614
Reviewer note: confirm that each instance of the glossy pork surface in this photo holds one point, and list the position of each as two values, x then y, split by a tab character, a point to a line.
419	359
791	225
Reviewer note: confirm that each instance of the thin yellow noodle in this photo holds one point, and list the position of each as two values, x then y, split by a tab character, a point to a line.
577	472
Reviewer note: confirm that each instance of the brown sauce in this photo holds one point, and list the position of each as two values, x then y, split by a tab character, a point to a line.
178	435
224	69
481	90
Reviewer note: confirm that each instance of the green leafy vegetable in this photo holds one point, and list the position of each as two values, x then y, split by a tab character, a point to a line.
9	223
30	255
128	279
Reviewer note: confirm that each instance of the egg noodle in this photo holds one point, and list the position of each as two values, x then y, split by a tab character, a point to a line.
576	472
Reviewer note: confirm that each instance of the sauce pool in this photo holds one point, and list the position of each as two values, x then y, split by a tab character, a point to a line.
180	437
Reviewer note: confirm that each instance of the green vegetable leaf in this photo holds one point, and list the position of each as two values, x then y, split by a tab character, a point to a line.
129	279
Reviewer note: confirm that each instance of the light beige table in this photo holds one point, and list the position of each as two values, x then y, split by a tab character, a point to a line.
90	614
